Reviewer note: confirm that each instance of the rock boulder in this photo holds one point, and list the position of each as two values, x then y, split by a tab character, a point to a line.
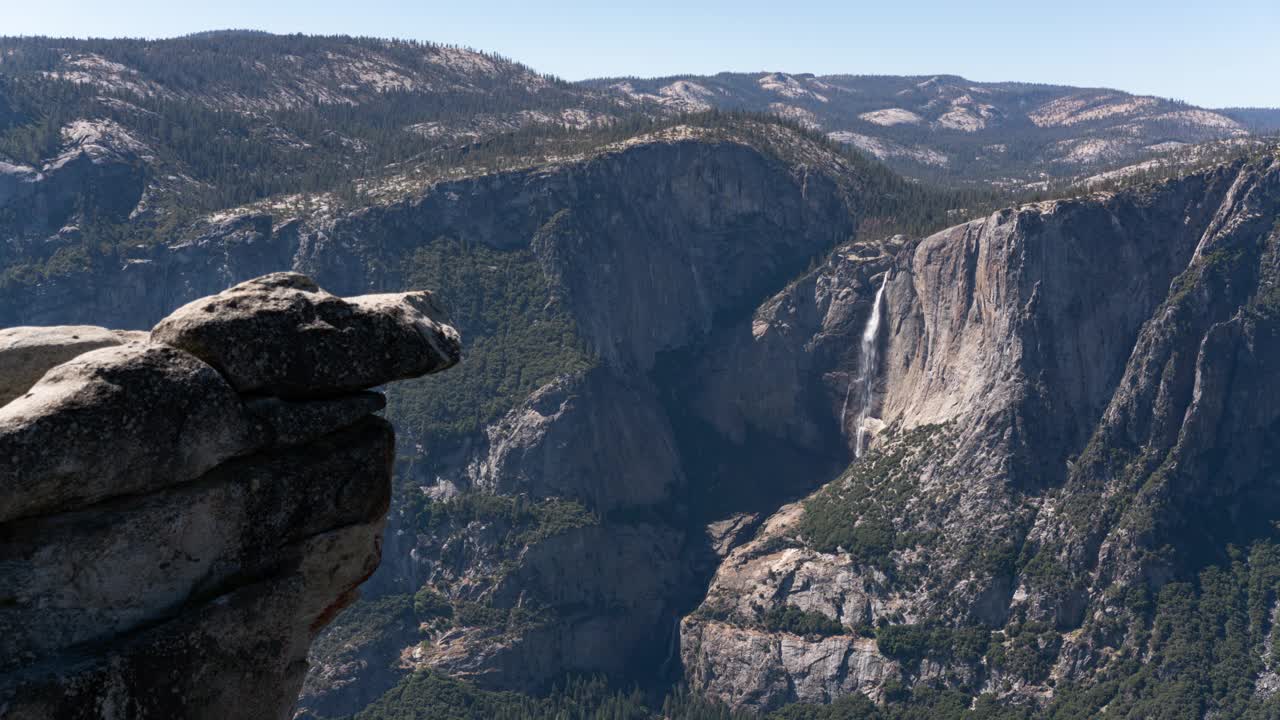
26	353
282	335
170	545
116	421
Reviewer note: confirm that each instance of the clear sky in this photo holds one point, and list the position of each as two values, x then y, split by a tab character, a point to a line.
1209	52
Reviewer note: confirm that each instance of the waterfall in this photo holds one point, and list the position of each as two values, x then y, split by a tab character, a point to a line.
673	648
868	362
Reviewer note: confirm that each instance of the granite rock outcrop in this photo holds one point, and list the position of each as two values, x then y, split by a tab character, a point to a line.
175	534
1075	404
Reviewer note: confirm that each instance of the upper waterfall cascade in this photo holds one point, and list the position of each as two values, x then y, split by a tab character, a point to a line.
868	365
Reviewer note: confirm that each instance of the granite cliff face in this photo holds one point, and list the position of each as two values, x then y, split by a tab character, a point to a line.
606	264
183	512
1073	405
641	466
581	564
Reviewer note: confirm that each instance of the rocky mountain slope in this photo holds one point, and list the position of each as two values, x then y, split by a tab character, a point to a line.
680	449
1263	120
939	559
949	127
223	118
146	131
257	73
508	482
1072	443
184	511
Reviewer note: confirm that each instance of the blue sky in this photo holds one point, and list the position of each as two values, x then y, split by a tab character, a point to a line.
1208	52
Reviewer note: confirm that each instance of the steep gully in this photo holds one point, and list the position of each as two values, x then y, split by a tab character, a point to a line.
739	476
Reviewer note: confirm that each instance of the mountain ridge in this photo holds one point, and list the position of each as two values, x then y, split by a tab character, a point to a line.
940	127
651	466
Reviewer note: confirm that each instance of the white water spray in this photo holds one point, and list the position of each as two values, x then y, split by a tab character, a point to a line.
868	362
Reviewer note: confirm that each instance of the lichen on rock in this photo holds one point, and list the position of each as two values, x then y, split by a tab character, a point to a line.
176	532
282	335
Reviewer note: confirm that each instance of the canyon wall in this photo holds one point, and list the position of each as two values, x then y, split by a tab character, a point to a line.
1073	403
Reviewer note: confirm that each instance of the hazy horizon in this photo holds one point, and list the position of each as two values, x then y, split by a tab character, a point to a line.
1219	56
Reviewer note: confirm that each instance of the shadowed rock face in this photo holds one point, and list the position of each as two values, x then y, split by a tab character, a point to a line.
645	247
170	546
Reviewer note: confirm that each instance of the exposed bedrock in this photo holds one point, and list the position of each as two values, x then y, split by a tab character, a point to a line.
1074	397
170	545
643	247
